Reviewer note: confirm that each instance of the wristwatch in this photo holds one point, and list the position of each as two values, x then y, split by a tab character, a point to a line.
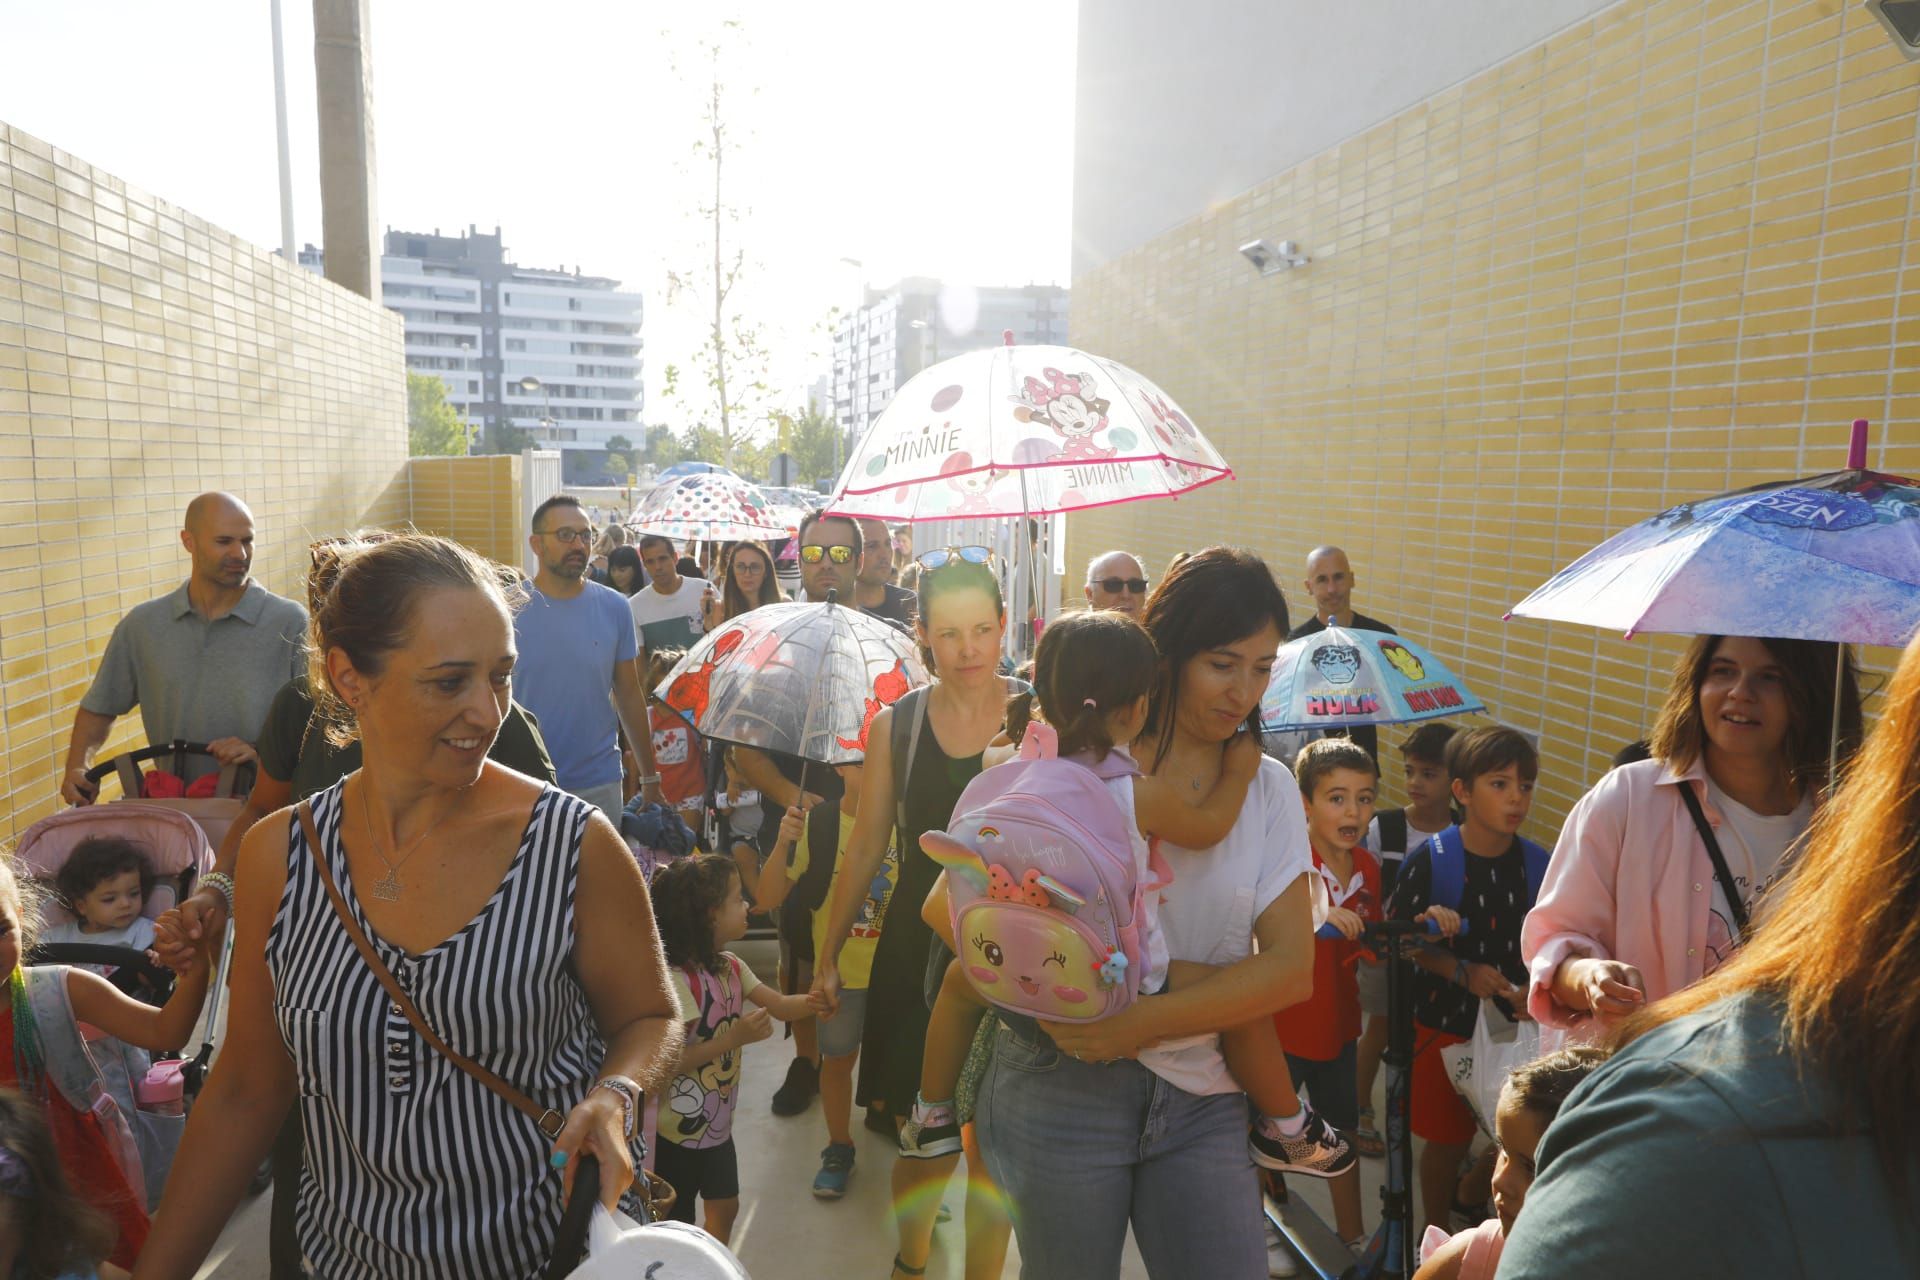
631	1100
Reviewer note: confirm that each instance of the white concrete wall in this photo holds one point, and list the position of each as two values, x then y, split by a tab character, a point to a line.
1182	105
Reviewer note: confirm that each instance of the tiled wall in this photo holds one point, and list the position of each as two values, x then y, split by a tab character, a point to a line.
472	500
146	356
1672	251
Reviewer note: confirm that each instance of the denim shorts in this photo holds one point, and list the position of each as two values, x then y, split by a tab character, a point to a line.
840	1034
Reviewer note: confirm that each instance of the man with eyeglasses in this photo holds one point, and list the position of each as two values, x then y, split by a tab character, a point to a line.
201	662
876	593
578	668
1116	582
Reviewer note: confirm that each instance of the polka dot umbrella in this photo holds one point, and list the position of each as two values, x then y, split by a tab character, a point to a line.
709	507
1023	431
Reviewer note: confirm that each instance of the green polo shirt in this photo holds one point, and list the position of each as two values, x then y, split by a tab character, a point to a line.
195	679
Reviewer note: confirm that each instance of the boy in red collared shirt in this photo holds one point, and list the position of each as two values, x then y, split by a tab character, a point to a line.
1337	781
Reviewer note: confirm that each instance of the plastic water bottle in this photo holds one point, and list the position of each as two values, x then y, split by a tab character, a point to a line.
163	1089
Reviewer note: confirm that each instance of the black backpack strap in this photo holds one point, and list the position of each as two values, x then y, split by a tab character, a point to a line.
909	721
1725	876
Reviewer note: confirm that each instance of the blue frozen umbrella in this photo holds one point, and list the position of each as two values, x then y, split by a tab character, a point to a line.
1345	676
1831	557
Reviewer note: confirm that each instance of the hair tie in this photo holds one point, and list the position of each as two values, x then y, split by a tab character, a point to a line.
16	1179
1091	703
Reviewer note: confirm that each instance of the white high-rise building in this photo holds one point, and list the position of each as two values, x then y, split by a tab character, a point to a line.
555	353
897	332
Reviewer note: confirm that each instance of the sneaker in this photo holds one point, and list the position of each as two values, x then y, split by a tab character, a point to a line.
802	1082
932	1131
1318	1152
1280	1259
880	1122
836	1168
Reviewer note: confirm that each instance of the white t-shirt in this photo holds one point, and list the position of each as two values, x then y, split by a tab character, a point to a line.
1415	838
1208	912
1755	846
668	622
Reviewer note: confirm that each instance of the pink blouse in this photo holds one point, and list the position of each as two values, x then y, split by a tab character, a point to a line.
1630	880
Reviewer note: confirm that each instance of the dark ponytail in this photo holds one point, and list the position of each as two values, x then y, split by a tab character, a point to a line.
1088	666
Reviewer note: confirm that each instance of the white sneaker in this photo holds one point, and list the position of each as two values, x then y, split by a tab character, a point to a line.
1280	1260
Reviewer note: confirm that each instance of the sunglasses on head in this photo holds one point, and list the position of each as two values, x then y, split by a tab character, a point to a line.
954	555
837	553
1113	586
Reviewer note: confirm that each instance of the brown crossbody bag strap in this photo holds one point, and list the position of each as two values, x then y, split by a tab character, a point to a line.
547	1119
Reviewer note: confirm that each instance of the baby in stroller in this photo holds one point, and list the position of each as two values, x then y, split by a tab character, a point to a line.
105	882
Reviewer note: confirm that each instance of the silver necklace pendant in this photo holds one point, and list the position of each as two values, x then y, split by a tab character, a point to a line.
387	887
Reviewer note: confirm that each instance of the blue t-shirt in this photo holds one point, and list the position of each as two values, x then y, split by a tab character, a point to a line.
568	652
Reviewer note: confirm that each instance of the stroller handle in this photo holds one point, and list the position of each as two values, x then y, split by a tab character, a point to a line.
147	753
570	1243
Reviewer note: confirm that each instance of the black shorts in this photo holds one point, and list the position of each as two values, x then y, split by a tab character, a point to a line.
1331	1087
705	1173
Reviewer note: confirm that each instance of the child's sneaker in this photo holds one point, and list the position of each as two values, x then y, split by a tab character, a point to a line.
932	1131
836	1169
1280	1261
1318	1152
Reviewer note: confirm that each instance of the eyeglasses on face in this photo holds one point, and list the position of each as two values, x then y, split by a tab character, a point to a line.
1114	586
568	536
945	556
839	553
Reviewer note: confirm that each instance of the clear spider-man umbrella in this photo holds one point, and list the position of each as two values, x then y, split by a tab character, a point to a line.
802	679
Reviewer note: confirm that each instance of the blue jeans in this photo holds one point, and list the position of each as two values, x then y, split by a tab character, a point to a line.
1082	1149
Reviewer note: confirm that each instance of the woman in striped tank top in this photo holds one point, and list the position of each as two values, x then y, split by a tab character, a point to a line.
509	913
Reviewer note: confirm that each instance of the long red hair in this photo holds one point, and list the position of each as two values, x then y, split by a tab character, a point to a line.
1840	947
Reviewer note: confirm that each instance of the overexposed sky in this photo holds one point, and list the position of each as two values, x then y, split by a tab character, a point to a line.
920	139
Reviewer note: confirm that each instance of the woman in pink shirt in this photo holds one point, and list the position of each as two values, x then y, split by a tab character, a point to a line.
1632	908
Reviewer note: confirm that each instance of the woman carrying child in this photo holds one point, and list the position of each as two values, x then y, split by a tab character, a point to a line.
1085	1139
701	908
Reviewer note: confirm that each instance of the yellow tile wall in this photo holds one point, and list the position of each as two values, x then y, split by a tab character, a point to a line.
146	356
473	500
1671	251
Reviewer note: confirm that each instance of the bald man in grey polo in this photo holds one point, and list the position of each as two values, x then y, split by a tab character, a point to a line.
198	679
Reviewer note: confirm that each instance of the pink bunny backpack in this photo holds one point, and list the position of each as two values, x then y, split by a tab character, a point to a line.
1046	898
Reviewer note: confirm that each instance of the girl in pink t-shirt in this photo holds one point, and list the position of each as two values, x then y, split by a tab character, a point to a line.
1529	1101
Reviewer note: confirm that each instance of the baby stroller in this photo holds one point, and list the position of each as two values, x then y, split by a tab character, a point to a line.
139	1100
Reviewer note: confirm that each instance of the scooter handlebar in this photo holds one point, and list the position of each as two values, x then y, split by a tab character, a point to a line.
1384	927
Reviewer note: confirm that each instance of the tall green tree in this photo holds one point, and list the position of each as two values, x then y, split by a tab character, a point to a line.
810	439
435	428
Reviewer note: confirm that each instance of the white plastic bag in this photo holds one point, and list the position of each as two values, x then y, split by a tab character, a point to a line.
1478	1069
618	1248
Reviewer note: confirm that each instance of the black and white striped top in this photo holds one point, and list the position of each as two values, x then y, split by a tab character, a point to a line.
413	1168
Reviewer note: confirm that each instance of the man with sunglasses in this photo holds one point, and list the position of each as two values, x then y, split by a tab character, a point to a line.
876	593
1116	582
578	669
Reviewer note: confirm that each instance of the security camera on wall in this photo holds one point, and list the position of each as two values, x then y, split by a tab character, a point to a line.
1269	258
1901	18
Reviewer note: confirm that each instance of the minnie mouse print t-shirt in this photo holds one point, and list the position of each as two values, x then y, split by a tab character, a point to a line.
697	1111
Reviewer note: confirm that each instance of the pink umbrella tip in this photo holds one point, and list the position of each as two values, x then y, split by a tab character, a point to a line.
1857	447
1006	336
1507	617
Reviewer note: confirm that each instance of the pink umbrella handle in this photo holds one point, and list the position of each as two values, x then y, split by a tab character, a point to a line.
1857	447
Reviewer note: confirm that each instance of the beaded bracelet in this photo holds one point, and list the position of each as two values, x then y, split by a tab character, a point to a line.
221	883
630	1098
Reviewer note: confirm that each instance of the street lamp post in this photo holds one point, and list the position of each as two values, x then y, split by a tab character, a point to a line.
531	384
